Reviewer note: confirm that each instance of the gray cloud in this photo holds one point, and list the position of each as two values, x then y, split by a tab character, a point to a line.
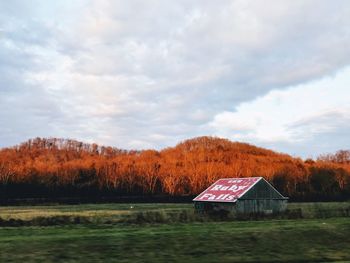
148	74
324	133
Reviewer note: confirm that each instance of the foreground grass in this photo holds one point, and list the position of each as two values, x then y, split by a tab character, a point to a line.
303	240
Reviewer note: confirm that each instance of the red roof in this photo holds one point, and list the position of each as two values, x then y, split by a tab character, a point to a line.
227	190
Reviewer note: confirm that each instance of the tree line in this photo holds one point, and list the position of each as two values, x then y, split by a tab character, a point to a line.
55	167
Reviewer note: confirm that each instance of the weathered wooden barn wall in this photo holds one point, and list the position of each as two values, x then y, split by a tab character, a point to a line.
259	206
261	198
265	206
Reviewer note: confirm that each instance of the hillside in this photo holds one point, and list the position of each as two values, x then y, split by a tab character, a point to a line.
59	167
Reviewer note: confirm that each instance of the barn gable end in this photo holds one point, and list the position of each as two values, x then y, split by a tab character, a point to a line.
262	190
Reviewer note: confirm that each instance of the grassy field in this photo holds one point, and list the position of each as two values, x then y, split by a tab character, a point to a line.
94	213
106	211
144	212
322	235
245	241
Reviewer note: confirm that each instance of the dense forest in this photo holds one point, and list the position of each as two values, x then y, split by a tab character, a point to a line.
68	168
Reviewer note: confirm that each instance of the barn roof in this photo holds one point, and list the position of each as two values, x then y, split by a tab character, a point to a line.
230	189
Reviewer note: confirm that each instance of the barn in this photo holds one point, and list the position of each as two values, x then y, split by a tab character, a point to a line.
251	195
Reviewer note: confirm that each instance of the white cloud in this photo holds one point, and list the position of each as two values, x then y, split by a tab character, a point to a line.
303	115
151	73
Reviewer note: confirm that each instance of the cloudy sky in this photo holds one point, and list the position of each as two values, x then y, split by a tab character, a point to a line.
148	74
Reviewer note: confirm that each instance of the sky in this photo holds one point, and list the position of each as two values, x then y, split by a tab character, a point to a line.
148	74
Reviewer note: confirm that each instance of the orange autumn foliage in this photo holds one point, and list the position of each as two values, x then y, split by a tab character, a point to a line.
185	169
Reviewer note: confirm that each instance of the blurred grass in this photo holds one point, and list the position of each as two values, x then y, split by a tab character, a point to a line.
28	212
302	240
321	209
147	213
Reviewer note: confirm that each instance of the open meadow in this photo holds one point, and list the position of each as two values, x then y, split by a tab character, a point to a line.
171	233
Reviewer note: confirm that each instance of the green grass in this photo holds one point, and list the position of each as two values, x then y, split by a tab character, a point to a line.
23	211
141	213
91	210
304	240
93	213
171	233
